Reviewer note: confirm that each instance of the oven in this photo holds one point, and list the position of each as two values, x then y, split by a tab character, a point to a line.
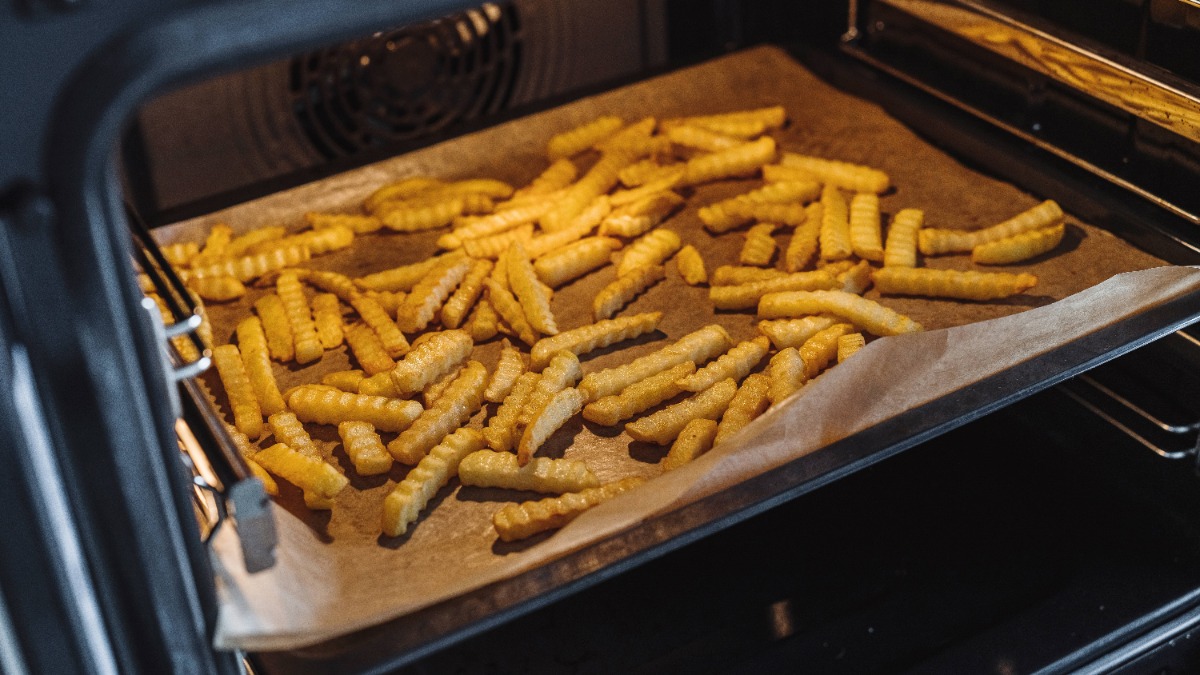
1039	518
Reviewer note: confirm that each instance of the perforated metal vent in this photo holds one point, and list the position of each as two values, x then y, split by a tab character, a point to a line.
407	83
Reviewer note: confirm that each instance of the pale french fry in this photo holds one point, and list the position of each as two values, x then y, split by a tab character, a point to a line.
701	138
729	275
842	174
247	415
287	429
695	440
867	314
491	469
519	521
751	400
760	246
180	254
562	372
662	186
639	396
787	333
652	249
435	389
429	294
866	239
849	344
664	426
835	225
418	218
593	336
402	189
355	222
740	160
405	277
523	280
365	448
934	241
327	314
461	400
647	171
731	213
736	364
580	227
901	249
368	350
429	359
411	495
630	135
638	218
691	266
218	289
547	420
510	310
304	331
1018	247
747	296
250	267
253	345
805	239
556	177
501	428
346	380
376	317
951	283
509	368
247	452
215	245
484	324
575	260
582	137
698	346
310	474
787	372
857	279
610	299
821	349
321	405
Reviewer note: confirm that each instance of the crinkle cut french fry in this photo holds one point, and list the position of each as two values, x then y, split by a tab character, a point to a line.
435	389
901	249
218	289
849	344
247	415
787	372
321	405
523	280
356	222
576	140
691	266
1019	247
580	227
639	396
403	278
701	138
633	133
610	299
310	474
664	426
402	189
510	310
365	448
304	330
867	314
346	380
652	249
377	318
736	161
936	241
647	171
695	440
483	324
835	225
318	241
751	400
564	371
729	275
638	218
327	314
842	174
865	236
576	260
746	296
418	218
783	192
821	349
509	367
737	127
501	428
548	420
411	495
519	521
250	267
368	350
771	117
805	239
655	188
698	346
495	245
785	333
491	469
180	254
593	336
759	248
456	308
495	224
287	429
430	359
857	279
461	400
247	452
736	364
390	301
951	283
428	296
597	181
556	177
185	347
253	344
215	245
732	213
331	282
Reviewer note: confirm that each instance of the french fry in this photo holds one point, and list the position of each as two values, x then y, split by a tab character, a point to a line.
951	283
783	192
759	247
1018	247
732	213
639	396
647	171
701	138
740	160
304	331
610	299
747	296
215	245
787	333
463	299
247	415
430	359
405	277
740	128
519	521
321	405
509	368
523	280
582	137
652	249
429	294
849	344
494	246
332	282
857	279
501	428
368	350
698	346
841	174
317	241
821	349
661	186
180	254
579	227
390	301
866	238
346	380
287	429
365	448
751	400
695	440
411	495
771	117
597	181
495	224
664	426
835	225
736	364
867	314
632	134
557	176
246	450
357	223
837	267
418	218
250	267
593	336
547	420
327	315
729	275
484	324
934	241
901	249
435	389
376	317
787	372
575	260
691	266
310	474
218	289
461	400
638	218
805	239
562	372
402	189
491	469
510	310
255	357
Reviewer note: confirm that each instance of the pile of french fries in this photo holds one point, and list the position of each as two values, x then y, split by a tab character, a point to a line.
506	251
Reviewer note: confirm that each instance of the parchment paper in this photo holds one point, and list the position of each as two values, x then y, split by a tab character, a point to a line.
336	574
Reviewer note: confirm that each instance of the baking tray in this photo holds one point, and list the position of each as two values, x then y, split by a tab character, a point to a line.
721	489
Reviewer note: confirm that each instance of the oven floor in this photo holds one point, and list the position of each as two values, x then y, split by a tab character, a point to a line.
1002	547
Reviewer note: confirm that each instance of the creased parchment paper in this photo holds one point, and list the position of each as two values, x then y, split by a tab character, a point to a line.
335	574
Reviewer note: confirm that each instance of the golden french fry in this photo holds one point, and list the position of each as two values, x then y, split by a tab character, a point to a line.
322	405
786	333
729	275
405	277
495	224
737	127
304	331
866	239
461	400
218	289
546	421
740	160
346	380
247	415
390	301
327	315
652	249
655	188
951	283
253	344
647	171
747	296
491	469
368	350
610	299
376	317
759	247
821	349
901	249
695	440
787	372
310	474
575	260
357	223
701	138
1018	247
246	450
732	213
435	389
502	427
770	118
523	280
857	279
558	176
597	181
519	521
429	294
509	368
463	299
402	189
180	254
250	267
579	227
639	217
841	174
691	266
429	359
783	192
483	324
837	267
287	429
849	344
805	239
215	245
934	241
736	364
835	225
318	241
632	134
365	448
698	346
867	314
582	137
562	372
664	426
332	282
495	245
593	336
751	400
639	396
411	495
509	309
417	218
